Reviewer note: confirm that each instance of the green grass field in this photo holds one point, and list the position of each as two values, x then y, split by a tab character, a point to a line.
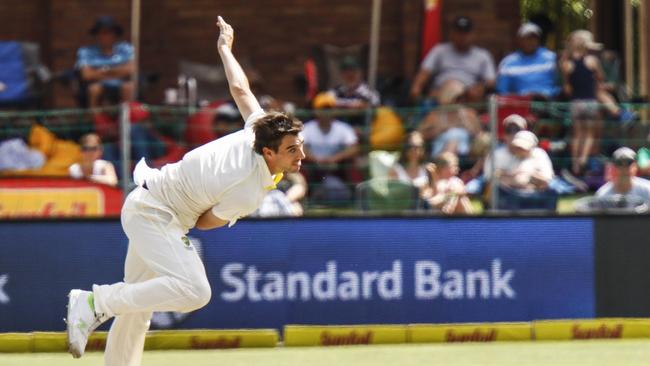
595	352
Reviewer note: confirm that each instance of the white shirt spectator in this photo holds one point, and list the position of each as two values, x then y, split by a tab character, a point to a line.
445	63
99	168
420	180
640	188
321	145
537	162
102	172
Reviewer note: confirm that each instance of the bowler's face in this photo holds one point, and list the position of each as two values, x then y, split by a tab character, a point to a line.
290	154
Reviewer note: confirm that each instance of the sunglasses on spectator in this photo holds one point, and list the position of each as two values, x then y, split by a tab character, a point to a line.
623	162
90	148
512	129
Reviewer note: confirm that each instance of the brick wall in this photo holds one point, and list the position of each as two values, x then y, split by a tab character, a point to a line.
275	35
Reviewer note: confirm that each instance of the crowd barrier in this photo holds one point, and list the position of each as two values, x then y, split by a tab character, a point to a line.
270	273
164	134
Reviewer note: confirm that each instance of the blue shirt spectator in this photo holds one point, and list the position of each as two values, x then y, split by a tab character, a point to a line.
532	70
106	66
94	57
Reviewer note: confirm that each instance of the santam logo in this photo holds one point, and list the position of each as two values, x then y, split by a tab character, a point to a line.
477	335
353	337
215	343
603	331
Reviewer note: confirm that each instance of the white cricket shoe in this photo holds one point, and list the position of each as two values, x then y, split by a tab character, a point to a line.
81	320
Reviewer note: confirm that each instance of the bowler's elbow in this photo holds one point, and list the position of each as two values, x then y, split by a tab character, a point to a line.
239	89
209	221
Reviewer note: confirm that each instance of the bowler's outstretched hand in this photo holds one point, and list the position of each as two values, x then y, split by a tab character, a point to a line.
226	33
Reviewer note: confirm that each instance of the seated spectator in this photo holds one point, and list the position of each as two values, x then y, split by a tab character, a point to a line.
511	125
625	182
445	192
523	173
106	66
612	81
410	167
450	130
461	72
285	200
354	92
331	147
532	70
612	90
92	167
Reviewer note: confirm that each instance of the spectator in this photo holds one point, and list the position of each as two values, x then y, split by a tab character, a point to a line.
107	65
450	130
582	75
460	70
445	191
331	147
92	167
611	89
285	200
625	182
354	92
512	124
523	173
532	70
410	167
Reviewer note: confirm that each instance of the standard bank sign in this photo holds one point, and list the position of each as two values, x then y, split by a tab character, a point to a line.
431	281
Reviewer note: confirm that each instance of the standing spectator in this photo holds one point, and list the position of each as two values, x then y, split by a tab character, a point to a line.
92	167
582	74
625	181
410	168
445	191
460	70
331	147
107	65
532	70
523	173
354	92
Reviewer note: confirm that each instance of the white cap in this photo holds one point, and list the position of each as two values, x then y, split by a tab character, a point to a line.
624	153
525	140
586	38
529	29
516	120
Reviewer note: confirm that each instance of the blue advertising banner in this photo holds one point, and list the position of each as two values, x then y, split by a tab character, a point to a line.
323	271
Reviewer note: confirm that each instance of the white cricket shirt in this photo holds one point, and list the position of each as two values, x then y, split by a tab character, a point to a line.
224	175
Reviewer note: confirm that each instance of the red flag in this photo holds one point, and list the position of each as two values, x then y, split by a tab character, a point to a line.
430	25
311	76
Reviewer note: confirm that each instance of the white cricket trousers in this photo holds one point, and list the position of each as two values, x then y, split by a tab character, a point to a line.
161	273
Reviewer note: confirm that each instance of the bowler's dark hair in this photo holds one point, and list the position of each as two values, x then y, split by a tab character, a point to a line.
271	129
